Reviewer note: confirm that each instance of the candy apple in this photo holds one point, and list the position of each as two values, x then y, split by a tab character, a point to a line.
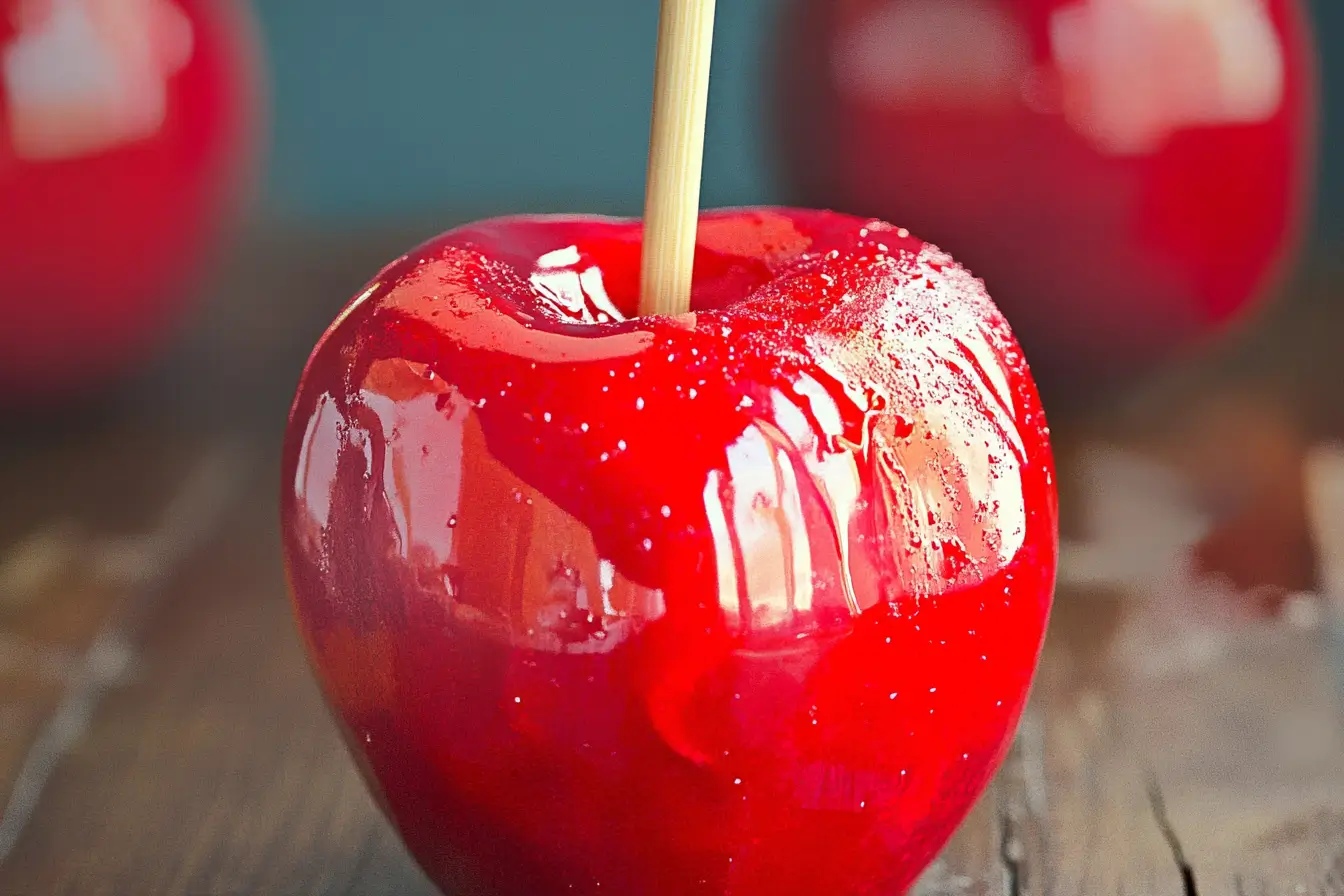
1126	175
125	127
745	600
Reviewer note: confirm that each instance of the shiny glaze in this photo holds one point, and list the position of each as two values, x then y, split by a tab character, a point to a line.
99	251
1105	259
745	601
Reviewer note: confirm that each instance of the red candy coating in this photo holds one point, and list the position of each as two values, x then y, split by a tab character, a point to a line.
1126	176
116	174
744	601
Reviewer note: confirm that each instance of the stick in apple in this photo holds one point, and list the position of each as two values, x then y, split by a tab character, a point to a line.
676	155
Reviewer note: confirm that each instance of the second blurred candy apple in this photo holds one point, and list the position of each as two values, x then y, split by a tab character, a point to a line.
125	128
1126	175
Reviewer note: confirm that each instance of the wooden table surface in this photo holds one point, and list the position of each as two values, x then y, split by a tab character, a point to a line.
160	731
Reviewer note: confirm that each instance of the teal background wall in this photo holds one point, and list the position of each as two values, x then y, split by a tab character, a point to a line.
407	106
386	108
1329	19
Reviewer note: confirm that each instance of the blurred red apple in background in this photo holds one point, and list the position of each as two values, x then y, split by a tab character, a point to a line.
126	129
1126	175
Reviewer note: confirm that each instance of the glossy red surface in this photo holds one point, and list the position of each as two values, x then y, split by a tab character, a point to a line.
1127	176
745	601
109	215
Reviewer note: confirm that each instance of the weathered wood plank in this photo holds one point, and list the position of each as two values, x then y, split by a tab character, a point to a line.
1218	770
217	770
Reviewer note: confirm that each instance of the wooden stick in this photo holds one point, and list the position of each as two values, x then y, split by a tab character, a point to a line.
1324	474
676	155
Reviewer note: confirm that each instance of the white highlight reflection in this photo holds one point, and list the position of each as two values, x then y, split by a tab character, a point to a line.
1135	71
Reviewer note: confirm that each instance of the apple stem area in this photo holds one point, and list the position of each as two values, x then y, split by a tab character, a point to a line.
676	155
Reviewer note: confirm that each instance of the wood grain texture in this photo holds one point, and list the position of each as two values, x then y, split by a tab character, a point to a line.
217	770
1223	773
1164	752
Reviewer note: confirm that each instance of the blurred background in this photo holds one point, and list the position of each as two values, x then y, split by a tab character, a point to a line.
426	106
190	190
429	106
